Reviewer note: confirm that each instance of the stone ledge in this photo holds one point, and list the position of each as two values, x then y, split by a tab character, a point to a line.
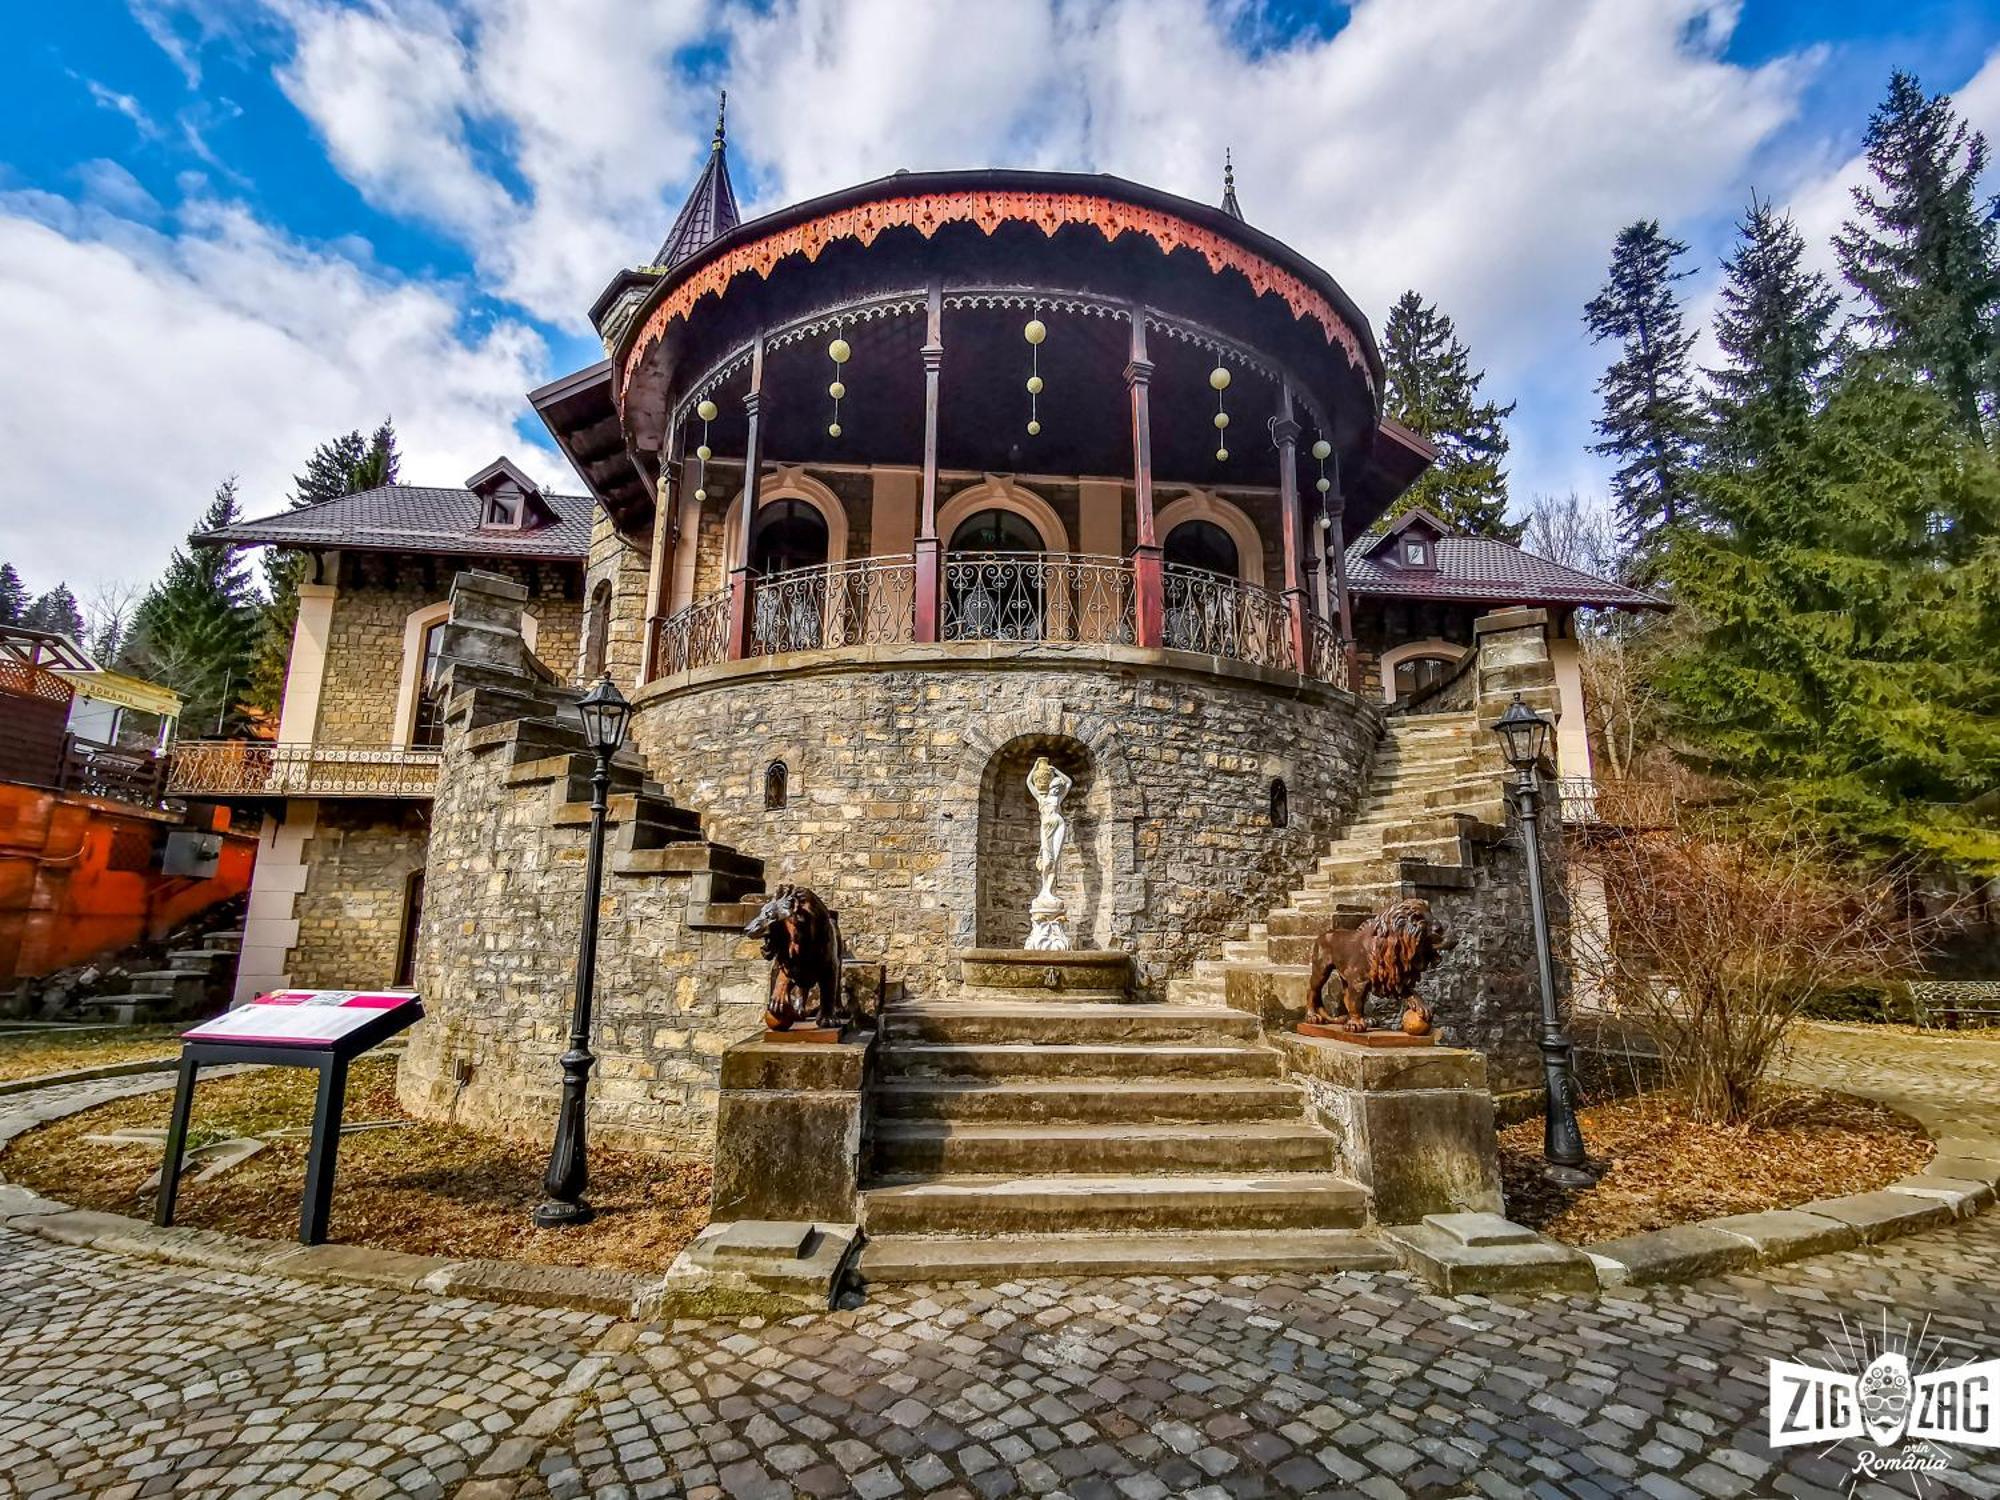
1354	1066
1963	1196
1884	1215
1782	1234
1678	1254
1505	1258
87	1075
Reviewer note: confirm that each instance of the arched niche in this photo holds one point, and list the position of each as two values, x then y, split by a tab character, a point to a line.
1010	840
791	483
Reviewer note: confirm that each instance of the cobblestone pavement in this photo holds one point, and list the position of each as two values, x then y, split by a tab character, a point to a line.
1949	1081
124	1378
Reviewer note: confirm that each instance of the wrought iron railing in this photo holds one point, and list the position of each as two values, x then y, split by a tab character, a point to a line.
1217	615
697	636
1030	597
864	601
1629	806
134	776
1037	596
258	768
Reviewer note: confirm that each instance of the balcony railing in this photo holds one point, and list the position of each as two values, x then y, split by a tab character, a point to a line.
132	776
1029	597
257	768
1626	806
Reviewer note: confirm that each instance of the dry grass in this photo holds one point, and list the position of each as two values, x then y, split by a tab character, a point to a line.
1668	1169
30	1054
425	1188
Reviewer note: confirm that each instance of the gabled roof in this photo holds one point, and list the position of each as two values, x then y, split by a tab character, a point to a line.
417	519
1480	570
710	211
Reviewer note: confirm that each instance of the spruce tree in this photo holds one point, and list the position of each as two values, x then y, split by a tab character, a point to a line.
57	612
196	627
13	596
1650	420
1775	324
346	465
1843	660
1431	388
1921	250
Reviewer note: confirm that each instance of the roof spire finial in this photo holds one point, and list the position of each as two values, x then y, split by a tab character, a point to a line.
710	211
721	109
1229	204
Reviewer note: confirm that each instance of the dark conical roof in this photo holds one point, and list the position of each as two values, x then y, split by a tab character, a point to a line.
1229	204
710	210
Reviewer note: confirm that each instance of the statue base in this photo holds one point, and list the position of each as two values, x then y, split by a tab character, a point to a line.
809	1035
1330	1033
1047	931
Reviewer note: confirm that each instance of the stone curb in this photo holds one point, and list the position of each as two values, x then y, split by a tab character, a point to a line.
86	1075
519	1283
1951	1187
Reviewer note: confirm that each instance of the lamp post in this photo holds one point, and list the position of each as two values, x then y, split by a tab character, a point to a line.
604	712
1524	739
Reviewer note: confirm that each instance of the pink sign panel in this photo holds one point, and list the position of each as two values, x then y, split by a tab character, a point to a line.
299	1018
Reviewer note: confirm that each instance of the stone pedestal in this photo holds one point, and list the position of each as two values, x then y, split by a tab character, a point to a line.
1416	1123
1069	974
789	1130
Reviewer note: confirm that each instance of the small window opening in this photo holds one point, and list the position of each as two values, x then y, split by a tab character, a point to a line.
1281	803
777	785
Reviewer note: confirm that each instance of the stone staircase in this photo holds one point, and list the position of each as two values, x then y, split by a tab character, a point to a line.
1087	1134
1436	792
195	983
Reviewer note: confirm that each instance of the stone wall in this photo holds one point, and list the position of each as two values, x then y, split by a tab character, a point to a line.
676	982
364	649
890	754
621	563
351	912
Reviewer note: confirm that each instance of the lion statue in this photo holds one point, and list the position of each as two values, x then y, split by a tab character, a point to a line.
1387	954
802	941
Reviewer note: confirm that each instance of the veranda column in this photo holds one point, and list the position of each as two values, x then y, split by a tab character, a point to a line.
1148	580
666	518
1285	433
1336	557
929	554
740	579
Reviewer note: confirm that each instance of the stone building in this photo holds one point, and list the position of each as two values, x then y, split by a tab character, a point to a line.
893	492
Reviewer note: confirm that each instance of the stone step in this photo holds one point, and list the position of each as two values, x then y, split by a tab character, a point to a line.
1027	1060
179	985
199	960
905	1148
945	1257
223	942
985	994
1042	1204
1058	1022
1086	1100
1202	987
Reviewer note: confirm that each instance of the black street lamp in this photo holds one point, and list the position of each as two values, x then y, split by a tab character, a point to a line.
604	712
1524	739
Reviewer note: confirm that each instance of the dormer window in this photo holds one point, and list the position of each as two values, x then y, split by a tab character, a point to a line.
1416	552
508	499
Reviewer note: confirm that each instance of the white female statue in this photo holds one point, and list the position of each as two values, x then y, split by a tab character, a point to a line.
1046	929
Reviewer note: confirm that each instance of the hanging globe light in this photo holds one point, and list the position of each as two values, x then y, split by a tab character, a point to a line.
840	351
1035	332
837	390
706	411
1221	420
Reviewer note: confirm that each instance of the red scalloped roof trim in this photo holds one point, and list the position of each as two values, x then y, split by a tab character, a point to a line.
927	212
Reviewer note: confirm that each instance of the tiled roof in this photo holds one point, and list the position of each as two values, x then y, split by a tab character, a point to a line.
414	518
1485	571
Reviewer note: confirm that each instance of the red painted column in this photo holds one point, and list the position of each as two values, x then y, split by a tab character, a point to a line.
1336	544
1285	433
666	517
742	582
1148	577
929	554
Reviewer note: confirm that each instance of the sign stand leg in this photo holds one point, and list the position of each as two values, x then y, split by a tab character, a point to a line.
177	1129
318	1205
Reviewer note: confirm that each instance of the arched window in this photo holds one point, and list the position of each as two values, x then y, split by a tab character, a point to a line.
1203	544
996	531
427	727
1281	803
777	786
788	534
596	626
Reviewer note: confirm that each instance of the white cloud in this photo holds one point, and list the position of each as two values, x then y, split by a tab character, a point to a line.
146	366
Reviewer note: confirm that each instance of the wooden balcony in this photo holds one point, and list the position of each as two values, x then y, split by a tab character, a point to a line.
227	769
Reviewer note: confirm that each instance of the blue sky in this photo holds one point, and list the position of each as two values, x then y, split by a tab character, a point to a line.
230	228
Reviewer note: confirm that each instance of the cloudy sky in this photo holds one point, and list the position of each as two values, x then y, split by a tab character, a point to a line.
231	228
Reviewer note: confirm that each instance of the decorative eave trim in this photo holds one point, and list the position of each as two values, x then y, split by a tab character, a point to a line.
989	209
